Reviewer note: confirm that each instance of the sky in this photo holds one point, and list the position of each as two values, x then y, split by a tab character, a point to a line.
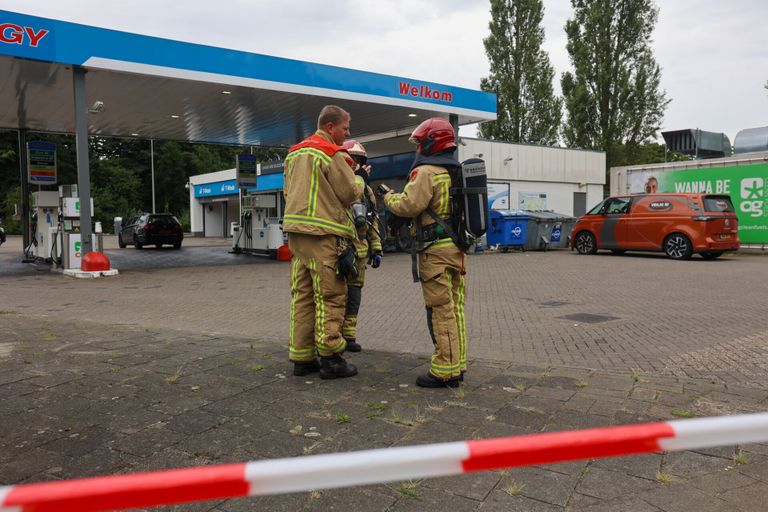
712	52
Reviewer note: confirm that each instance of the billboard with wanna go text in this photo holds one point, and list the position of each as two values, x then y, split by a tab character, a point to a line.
747	186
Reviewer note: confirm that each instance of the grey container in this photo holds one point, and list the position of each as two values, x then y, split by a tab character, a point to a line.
547	230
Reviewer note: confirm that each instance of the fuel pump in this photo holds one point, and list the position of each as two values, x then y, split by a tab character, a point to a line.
69	239
258	233
45	205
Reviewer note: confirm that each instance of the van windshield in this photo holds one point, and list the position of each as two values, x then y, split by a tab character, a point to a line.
596	209
718	204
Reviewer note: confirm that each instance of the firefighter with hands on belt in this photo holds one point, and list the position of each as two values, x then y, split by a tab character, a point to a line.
320	186
367	245
425	199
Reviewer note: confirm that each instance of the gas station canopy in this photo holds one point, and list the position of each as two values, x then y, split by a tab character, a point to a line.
140	86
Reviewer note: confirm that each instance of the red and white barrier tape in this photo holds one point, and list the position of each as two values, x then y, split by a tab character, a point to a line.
376	466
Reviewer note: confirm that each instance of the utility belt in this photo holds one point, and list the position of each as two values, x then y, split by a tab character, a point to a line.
432	233
427	236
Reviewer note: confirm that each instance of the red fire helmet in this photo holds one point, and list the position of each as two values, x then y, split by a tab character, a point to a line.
354	148
433	135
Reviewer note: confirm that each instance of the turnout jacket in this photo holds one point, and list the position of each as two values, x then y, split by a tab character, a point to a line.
428	186
319	187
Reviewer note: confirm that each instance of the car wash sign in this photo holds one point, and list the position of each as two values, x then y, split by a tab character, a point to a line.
41	163
747	186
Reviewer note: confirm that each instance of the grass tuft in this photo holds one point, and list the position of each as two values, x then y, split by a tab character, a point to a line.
409	489
514	489
664	478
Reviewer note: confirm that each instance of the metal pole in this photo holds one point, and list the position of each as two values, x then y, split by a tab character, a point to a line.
454	120
83	170
25	228
152	163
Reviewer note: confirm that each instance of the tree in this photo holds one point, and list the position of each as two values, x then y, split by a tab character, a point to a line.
521	75
650	153
613	95
115	191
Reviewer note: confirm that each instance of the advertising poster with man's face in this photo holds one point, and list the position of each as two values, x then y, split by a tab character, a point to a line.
746	185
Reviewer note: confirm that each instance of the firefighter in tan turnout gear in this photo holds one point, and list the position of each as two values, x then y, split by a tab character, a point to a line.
440	261
367	245
320	186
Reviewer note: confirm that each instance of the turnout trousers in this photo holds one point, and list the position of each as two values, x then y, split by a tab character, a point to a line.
318	297
354	298
444	287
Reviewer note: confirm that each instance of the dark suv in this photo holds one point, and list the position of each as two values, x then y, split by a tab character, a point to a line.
151	229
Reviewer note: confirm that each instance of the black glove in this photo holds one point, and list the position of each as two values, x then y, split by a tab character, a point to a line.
364	171
346	267
382	189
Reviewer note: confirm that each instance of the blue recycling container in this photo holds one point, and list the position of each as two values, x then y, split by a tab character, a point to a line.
507	228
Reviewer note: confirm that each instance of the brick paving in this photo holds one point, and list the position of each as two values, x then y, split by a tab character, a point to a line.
176	366
701	319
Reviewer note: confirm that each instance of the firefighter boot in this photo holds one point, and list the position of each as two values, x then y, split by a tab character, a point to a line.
353	346
430	381
335	367
301	368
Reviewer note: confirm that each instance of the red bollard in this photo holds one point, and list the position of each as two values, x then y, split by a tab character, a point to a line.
284	253
95	262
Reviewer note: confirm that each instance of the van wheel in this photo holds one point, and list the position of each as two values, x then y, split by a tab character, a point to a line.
585	243
136	244
678	247
711	255
618	252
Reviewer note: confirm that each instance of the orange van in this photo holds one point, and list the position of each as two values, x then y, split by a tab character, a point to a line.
677	224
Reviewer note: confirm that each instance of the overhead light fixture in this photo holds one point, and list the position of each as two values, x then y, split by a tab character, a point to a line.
411	115
174	116
226	92
97	107
134	135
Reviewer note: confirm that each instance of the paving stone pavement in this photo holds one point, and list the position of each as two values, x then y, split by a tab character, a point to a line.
169	367
699	319
81	399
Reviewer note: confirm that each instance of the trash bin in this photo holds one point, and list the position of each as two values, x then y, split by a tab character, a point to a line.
507	228
233	226
548	230
118	225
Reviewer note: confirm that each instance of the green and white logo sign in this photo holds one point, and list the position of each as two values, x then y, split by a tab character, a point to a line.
747	185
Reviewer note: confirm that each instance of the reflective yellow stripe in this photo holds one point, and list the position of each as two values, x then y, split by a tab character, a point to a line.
444	366
319	305
294	297
461	320
443	184
313	186
376	246
316	153
362	253
443	242
340	229
302	353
